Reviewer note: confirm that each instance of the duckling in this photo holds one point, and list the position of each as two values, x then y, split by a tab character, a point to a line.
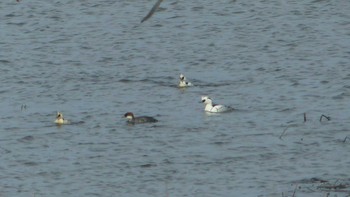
60	119
183	82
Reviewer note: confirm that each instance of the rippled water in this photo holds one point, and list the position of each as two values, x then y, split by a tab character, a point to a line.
271	60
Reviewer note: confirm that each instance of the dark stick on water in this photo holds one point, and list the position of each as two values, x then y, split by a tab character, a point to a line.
283	132
304	117
327	117
151	12
296	186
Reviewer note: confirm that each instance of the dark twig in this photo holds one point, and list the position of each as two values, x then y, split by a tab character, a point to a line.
327	117
296	186
333	187
304	117
283	132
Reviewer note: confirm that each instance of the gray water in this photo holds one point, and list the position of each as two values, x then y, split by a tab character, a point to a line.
93	61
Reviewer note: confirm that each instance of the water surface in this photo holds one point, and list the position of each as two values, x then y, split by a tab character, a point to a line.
271	60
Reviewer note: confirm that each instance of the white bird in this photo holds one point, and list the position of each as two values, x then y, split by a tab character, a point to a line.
183	82
60	119
210	107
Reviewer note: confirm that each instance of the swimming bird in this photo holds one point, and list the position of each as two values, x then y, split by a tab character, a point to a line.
142	119
183	82
60	119
151	12
210	107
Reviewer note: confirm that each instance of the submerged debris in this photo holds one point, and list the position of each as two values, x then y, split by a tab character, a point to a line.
318	185
338	187
324	116
283	132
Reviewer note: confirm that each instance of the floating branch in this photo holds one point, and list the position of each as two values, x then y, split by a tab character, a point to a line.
296	186
327	117
333	187
284	132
